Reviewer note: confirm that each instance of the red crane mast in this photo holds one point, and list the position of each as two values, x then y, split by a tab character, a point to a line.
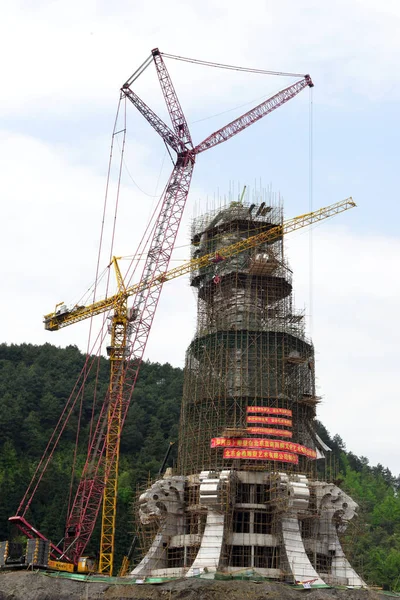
101	464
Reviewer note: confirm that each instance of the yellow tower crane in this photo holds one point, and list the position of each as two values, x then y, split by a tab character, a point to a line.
121	323
61	317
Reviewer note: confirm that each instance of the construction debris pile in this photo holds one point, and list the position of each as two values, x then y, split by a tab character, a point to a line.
36	586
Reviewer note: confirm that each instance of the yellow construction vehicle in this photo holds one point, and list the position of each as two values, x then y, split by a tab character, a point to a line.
86	564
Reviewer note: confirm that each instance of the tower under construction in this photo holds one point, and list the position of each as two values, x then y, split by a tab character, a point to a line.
246	494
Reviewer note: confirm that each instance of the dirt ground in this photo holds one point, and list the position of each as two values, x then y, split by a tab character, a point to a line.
36	586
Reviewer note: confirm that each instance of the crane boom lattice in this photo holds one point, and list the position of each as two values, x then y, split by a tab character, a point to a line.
130	329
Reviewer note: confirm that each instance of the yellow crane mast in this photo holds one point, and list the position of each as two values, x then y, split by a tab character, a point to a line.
116	351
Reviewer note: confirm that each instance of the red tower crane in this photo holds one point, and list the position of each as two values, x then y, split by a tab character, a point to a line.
99	477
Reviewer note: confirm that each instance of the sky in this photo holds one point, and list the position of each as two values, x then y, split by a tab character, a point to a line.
64	63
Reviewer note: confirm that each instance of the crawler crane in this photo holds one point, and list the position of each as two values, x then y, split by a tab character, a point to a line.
130	328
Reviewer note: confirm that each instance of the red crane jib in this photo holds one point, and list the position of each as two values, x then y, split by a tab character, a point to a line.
87	502
31	532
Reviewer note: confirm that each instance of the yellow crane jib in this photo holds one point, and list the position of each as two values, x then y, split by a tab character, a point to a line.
62	316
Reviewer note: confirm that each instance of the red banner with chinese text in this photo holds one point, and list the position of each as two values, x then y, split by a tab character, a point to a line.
261	455
268	420
226	442
270	410
269	431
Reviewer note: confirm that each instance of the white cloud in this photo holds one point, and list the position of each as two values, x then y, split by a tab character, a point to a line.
66	57
51	215
355	331
64	64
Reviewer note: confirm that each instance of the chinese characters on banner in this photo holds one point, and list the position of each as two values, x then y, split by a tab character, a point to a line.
269	420
269	431
269	410
226	442
261	455
264	448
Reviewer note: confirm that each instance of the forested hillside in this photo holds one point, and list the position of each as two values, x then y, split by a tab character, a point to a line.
36	381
